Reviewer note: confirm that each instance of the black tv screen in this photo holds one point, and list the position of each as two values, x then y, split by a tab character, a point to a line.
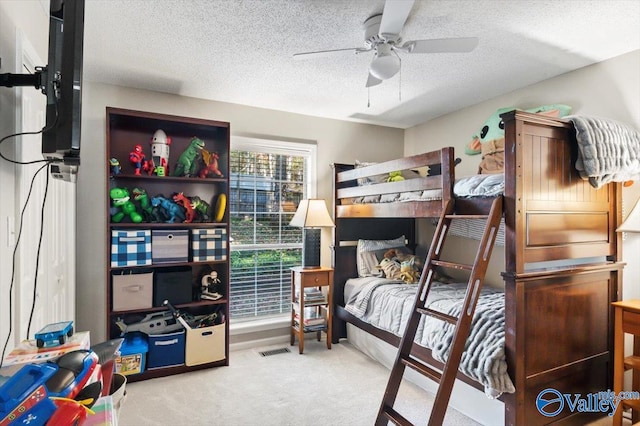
63	87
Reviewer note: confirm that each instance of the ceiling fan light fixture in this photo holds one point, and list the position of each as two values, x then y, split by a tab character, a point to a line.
385	64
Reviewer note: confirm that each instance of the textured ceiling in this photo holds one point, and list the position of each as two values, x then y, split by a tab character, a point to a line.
241	51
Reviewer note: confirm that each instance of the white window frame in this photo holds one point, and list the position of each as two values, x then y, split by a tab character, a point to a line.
274	146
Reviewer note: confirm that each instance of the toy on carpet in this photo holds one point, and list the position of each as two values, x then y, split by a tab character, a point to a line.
123	206
171	209
210	169
160	153
187	164
490	140
139	160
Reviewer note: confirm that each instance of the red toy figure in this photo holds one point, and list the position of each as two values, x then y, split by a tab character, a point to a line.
139	160
210	168
183	201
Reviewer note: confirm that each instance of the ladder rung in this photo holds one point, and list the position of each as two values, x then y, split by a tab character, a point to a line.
631	403
396	417
423	369
632	361
440	315
467	216
451	265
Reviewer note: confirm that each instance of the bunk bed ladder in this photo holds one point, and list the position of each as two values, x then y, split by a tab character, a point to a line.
446	378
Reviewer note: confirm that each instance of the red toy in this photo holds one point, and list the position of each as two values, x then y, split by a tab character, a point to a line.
210	168
183	201
139	160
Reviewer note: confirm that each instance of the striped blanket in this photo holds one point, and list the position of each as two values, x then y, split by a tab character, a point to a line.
388	304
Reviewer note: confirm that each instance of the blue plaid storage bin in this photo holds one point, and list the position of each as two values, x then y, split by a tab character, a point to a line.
131	247
209	244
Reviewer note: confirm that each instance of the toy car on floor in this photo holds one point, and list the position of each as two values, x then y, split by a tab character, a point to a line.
54	334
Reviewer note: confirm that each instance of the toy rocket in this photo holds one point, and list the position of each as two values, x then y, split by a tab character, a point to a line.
160	152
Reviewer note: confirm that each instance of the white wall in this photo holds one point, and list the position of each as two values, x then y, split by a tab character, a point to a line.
31	20
338	141
608	89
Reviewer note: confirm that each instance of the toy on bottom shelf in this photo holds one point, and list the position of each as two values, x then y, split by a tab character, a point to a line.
160	153
210	286
123	205
210	169
187	164
171	209
54	334
154	323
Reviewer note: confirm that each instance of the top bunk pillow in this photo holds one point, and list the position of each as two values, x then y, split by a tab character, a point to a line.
368	251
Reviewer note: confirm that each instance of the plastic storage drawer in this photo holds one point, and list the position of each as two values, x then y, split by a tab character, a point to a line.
166	350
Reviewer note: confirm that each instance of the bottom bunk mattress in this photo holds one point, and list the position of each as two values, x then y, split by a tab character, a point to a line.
387	305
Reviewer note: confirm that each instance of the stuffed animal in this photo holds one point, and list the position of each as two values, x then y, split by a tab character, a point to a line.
408	272
390	268
401	256
395	177
490	140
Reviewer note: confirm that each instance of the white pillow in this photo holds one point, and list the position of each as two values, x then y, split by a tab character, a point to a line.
366	261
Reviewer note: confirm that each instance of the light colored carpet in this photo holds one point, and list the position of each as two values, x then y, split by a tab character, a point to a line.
340	386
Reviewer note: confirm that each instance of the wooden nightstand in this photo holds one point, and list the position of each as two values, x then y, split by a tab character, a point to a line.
627	320
311	303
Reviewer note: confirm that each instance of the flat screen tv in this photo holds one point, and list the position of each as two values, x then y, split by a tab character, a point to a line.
62	84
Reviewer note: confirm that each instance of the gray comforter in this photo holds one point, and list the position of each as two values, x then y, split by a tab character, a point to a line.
608	151
387	305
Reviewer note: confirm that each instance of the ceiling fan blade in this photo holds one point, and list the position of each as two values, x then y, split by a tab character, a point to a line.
441	45
326	53
394	16
372	81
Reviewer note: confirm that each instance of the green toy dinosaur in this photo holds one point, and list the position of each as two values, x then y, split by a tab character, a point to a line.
123	205
187	164
140	195
201	208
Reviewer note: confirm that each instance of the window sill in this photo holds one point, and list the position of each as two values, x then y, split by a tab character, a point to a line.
258	325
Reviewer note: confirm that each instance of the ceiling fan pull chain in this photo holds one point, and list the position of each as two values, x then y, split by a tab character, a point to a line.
368	97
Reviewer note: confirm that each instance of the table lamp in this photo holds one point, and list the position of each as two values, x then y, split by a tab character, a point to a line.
632	222
311	215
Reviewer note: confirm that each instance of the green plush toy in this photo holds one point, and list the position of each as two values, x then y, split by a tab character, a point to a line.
493	128
395	176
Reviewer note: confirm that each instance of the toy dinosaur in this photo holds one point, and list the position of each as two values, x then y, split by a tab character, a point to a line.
140	195
201	208
173	210
187	164
185	203
210	169
124	206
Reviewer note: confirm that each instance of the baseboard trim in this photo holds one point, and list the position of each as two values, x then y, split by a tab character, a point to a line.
276	340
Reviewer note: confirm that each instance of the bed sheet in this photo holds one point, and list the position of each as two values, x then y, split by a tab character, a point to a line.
387	305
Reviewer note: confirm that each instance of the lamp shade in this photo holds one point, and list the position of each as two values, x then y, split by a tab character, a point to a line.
311	213
632	222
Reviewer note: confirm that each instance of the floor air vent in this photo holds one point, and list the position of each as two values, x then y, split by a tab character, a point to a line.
274	352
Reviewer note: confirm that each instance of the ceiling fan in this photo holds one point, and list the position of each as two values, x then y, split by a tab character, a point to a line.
382	35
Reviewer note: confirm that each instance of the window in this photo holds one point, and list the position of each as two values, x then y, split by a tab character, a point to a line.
268	180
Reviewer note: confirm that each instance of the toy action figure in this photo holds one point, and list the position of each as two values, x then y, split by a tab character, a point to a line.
139	160
187	164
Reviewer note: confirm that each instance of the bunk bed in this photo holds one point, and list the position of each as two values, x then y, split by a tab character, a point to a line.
562	256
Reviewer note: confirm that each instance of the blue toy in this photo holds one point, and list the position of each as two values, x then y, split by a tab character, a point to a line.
24	398
54	334
173	211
